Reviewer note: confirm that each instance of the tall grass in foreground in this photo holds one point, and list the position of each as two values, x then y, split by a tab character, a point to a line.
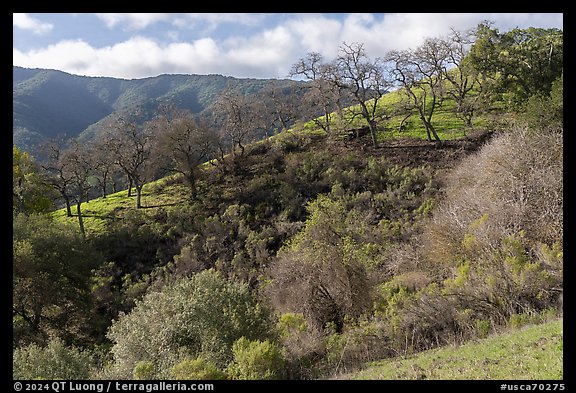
534	352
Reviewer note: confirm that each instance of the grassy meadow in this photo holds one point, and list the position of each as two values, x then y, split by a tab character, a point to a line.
531	353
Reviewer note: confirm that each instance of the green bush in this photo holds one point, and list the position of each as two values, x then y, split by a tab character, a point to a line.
202	315
546	111
362	342
196	369
55	361
144	370
291	323
302	346
51	291
256	360
320	273
527	317
482	327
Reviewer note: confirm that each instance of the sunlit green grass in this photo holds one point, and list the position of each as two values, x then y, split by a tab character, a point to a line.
532	353
99	212
444	120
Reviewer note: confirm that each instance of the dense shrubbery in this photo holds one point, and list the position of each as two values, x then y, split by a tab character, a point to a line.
372	284
196	369
492	249
199	316
51	273
256	360
546	112
54	361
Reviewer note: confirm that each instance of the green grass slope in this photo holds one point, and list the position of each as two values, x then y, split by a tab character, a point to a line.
531	353
99	212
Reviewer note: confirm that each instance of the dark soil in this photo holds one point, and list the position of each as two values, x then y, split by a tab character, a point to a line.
415	152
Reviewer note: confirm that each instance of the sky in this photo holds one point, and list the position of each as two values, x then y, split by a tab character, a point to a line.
249	45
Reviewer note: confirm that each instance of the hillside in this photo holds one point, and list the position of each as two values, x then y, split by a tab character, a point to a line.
360	253
170	193
350	238
302	187
49	103
531	353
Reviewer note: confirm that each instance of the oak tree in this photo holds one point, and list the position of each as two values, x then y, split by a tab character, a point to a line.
364	79
56	169
131	146
420	73
187	143
322	96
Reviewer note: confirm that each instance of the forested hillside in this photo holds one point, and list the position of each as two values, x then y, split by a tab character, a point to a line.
49	103
405	205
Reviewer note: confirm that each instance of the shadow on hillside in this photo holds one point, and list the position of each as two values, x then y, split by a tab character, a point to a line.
417	152
161	205
100	216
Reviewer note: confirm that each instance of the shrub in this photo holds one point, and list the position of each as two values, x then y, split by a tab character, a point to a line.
527	317
287	142
516	321
321	273
501	205
423	319
202	315
256	360
491	252
482	327
362	342
144	370
55	361
302	346
291	323
51	270
196	369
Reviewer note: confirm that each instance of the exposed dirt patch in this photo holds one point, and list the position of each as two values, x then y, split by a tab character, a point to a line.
415	152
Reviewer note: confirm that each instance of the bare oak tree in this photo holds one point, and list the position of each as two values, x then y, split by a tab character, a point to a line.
131	148
279	105
79	167
187	143
323	95
240	118
56	169
364	79
421	73
103	165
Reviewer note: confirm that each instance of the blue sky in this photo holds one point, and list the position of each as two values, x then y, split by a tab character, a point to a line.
257	45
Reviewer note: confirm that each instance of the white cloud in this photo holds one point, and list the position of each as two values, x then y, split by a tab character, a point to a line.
315	33
401	31
508	21
209	21
266	53
137	57
72	55
396	31
26	22
268	49
133	21
214	19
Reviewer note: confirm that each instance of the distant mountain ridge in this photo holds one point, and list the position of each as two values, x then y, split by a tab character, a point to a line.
51	103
